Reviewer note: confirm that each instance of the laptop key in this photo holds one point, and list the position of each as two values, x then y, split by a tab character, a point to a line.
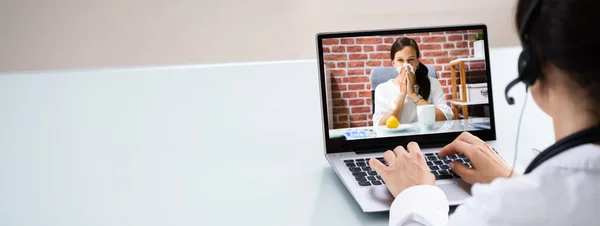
359	179
364	183
380	158
438	162
445	167
359	174
349	161
350	165
355	169
442	177
430	163
447	161
429	154
378	177
444	172
431	158
359	160
367	168
376	182
361	164
371	178
434	168
372	173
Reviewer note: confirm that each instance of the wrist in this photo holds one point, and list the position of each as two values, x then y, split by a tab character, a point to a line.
402	96
400	100
415	97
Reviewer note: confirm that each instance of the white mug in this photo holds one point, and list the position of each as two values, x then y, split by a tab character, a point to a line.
426	116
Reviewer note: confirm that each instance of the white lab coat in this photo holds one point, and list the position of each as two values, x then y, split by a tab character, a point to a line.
564	190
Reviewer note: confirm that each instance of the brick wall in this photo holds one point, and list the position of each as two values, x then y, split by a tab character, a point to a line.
351	60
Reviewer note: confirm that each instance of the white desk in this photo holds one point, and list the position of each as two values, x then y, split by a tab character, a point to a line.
185	146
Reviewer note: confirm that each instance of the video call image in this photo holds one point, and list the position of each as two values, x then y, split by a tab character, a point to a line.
406	84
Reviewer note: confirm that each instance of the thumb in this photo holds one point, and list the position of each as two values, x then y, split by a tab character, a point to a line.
463	171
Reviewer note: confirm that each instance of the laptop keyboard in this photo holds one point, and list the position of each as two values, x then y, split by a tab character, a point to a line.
366	176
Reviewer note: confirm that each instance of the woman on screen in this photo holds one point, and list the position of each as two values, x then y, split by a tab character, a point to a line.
400	96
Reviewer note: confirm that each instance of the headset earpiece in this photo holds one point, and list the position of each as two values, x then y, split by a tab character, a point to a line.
529	68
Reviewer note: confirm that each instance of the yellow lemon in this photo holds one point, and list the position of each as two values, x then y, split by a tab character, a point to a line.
392	122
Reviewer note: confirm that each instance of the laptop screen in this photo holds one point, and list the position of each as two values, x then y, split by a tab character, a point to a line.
405	83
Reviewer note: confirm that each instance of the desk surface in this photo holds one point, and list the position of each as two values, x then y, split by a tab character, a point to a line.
188	146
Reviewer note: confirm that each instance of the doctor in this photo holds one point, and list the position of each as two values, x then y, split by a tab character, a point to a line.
559	187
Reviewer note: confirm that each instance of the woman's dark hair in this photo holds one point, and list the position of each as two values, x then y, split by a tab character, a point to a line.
421	71
564	33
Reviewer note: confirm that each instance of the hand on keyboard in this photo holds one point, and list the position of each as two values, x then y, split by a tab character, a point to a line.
486	164
404	170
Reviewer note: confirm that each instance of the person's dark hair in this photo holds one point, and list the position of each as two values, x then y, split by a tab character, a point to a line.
421	71
564	33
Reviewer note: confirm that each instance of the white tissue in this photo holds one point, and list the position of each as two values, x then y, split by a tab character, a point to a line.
410	67
406	65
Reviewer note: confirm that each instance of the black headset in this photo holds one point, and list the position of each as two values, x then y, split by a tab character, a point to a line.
529	70
529	67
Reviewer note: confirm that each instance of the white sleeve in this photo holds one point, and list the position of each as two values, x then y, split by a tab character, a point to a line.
420	205
515	201
533	199
382	106
438	98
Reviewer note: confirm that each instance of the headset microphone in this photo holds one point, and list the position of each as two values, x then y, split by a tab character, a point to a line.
510	100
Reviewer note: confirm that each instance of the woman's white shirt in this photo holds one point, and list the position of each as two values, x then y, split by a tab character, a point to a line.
562	191
387	93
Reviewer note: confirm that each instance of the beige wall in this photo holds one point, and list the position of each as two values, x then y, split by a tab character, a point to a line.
60	34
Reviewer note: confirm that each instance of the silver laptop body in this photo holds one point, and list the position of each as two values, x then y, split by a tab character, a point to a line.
348	148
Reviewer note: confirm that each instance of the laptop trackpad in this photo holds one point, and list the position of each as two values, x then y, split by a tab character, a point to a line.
453	191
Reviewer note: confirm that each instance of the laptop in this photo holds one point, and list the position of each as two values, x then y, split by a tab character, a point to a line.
353	64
